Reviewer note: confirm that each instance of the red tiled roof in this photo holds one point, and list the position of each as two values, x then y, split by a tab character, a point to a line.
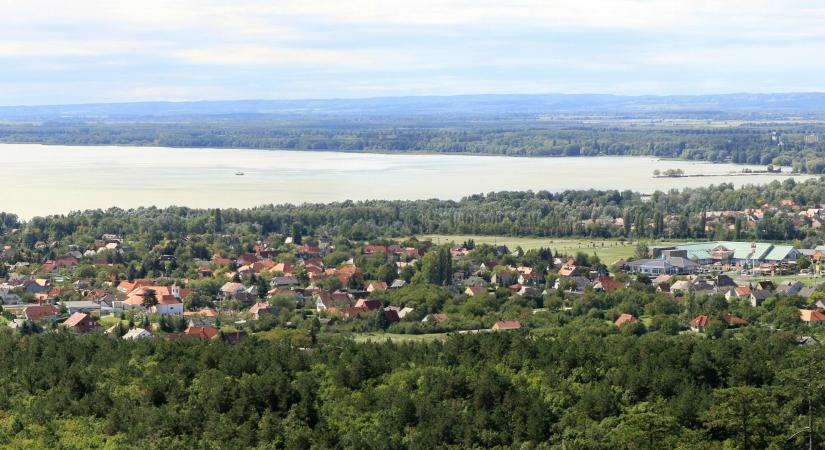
507	325
36	313
700	321
206	332
75	319
625	318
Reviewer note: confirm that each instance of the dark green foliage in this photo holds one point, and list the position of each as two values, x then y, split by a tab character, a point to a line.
590	390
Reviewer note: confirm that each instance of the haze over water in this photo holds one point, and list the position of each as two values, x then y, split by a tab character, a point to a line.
42	180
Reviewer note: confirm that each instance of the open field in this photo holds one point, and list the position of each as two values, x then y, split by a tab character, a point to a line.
807	280
380	337
608	250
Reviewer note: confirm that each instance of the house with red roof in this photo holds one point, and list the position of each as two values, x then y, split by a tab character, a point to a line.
370	304
37	313
607	284
625	318
206	333
699	323
80	323
505	325
259	310
812	317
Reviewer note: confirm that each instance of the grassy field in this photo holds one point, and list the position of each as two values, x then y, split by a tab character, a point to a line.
807	280
608	250
380	337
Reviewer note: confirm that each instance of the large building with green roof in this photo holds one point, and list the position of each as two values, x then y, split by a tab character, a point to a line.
730	252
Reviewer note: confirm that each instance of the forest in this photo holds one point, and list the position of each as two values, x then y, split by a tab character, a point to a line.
759	143
580	386
674	214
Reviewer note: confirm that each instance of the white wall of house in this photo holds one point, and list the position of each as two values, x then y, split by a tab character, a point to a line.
169	310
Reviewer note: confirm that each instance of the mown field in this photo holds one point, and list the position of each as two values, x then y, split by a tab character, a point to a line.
380	337
608	250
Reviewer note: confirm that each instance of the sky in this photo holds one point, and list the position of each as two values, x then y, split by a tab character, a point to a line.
83	51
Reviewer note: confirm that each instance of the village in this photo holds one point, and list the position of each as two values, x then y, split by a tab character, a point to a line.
406	287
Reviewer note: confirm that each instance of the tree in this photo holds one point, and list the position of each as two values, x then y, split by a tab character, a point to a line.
217	221
744	413
642	251
296	233
644	429
150	298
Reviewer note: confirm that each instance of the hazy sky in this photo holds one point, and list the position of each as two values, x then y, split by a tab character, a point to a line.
66	51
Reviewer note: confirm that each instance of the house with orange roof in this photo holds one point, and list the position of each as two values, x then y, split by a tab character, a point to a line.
505	325
699	323
625	318
812	317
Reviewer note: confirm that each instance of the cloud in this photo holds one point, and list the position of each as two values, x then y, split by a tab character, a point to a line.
199	49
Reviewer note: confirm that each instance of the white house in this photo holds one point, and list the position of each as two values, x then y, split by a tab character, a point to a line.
168	305
136	333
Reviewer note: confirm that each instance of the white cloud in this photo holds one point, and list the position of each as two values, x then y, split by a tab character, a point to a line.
261	48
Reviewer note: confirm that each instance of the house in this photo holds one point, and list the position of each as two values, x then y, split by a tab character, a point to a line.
789	288
472	291
811	317
206	333
504	325
625	318
806	340
354	311
372	249
438	317
80	323
733	321
681	286
391	315
398	284
699	323
765	285
284	281
37	313
377	286
759	296
136	333
240	293
503	278
531	278
738	292
607	284
723	282
325	300
168	305
568	269
671	265
85	306
369	304
402	312
528	291
258	310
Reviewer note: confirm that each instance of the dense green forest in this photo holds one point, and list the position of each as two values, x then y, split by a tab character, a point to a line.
673	214
748	143
582	386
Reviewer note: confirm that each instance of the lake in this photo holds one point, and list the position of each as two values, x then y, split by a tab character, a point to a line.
42	180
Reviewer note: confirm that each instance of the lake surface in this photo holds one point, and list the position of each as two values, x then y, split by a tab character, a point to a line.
41	180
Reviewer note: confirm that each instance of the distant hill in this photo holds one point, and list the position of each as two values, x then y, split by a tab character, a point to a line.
709	106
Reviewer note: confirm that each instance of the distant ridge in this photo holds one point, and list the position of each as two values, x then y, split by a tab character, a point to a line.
742	104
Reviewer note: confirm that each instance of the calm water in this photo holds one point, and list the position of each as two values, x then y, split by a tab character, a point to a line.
41	180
